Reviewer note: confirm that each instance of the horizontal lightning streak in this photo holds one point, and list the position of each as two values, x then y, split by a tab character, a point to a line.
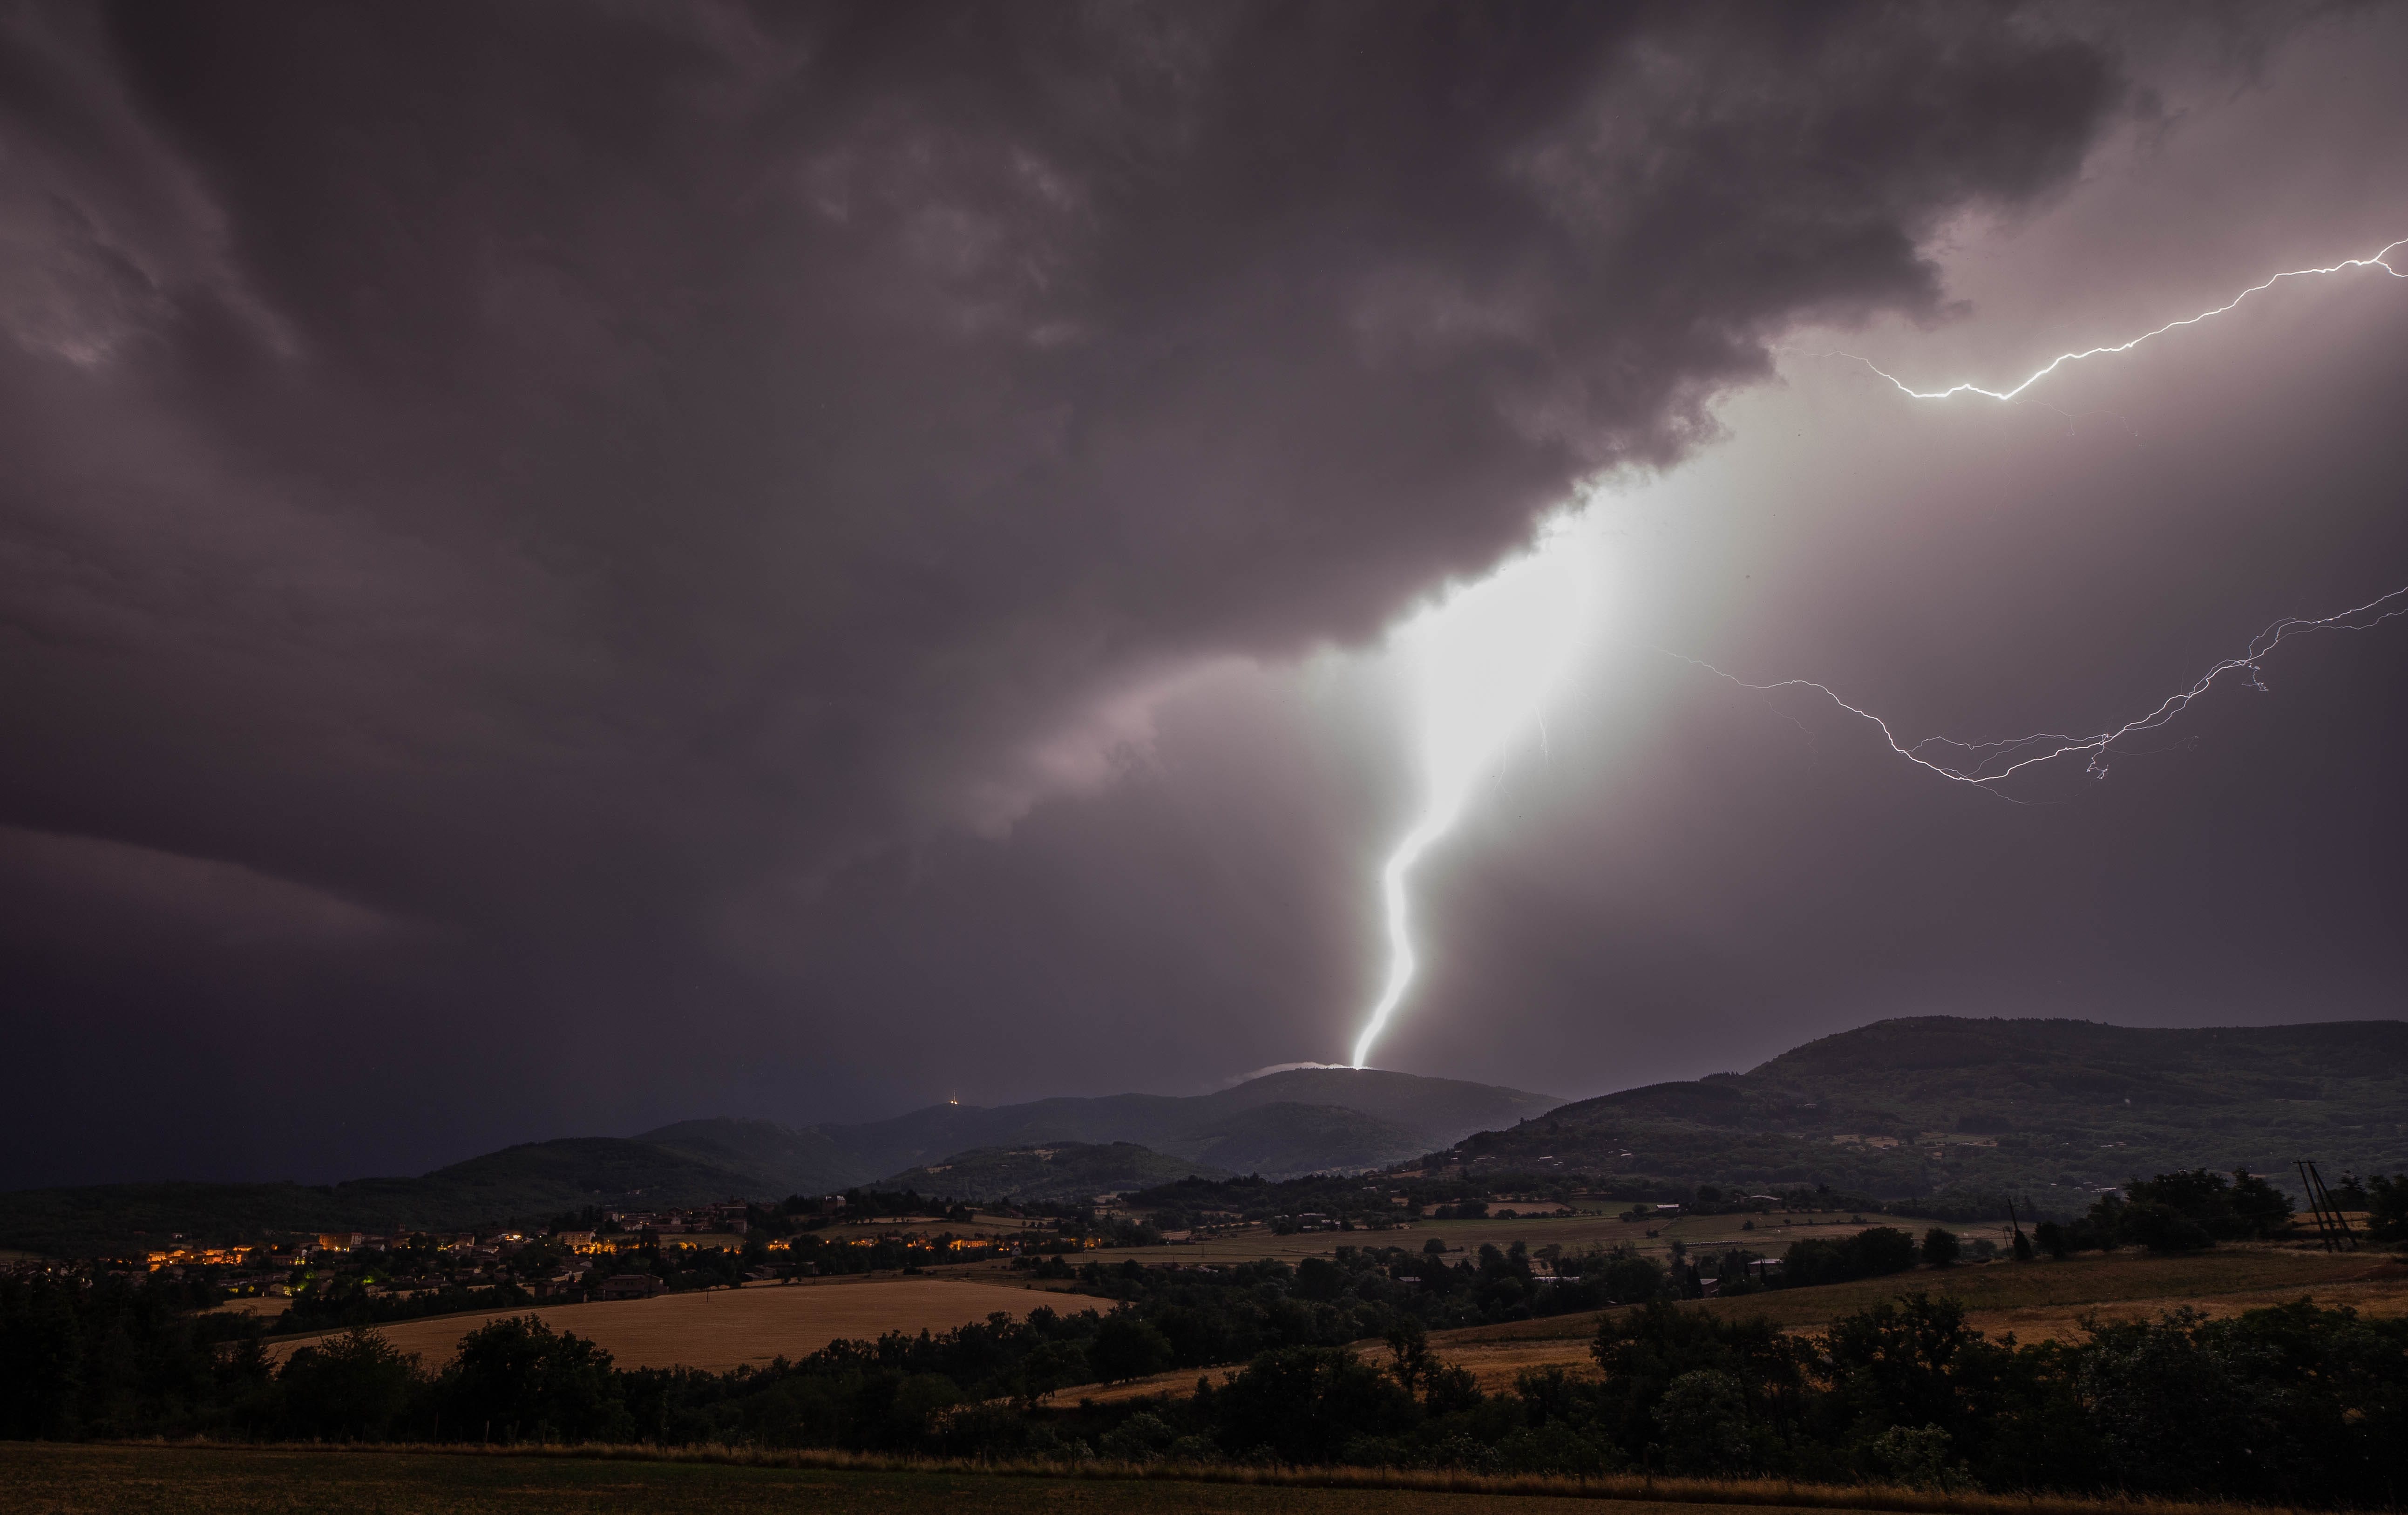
2003	759
2377	260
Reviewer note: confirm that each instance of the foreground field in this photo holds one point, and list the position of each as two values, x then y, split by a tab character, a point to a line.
725	1328
2035	1301
48	1478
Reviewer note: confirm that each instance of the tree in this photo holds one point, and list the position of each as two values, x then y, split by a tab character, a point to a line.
1126	1347
1940	1247
2206	1207
1872	1253
2260	1209
2387	1202
1706	1429
517	1379
352	1387
1304	1404
1904	1362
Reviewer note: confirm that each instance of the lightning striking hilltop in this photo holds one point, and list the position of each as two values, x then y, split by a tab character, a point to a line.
1482	663
2377	260
1983	764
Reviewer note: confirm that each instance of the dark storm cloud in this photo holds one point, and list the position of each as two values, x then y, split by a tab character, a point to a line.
547	477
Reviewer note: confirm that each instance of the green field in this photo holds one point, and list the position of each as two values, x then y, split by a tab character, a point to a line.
47	1479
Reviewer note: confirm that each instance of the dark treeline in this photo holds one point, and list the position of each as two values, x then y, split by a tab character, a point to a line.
2177	1213
2292	1404
1369	1201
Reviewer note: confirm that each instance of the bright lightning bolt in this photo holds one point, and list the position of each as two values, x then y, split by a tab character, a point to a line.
1985	764
1480	666
1482	663
2377	260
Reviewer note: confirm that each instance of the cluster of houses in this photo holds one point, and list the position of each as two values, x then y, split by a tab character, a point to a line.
729	1216
629	1229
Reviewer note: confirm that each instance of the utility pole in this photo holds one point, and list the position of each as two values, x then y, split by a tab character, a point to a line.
2332	1226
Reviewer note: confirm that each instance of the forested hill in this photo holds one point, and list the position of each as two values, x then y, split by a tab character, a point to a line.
1937	1105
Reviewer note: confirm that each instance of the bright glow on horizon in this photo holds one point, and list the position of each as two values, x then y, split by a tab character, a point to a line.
1480	666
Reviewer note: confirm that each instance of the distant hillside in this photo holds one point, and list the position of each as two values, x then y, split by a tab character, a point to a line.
1284	1139
1900	1110
2055	1110
1305	1121
1071	1171
1367	1119
770	1161
528	1181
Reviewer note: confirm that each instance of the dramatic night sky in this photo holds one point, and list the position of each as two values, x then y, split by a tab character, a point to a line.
570	567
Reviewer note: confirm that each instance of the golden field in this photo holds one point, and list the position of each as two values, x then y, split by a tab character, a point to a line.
724	1328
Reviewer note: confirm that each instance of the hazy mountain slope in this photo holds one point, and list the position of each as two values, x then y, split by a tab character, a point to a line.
1269	1139
2052	1109
932	1135
1434	1110
1448	1108
773	1161
1071	1171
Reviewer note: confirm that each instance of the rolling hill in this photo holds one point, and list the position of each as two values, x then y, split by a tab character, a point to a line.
1303	1120
1934	1110
1937	1105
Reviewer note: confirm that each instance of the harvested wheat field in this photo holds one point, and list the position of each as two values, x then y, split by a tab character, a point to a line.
725	1328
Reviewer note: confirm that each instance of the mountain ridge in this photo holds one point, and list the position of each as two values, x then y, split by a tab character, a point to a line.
2055	1110
697	1161
1915	1107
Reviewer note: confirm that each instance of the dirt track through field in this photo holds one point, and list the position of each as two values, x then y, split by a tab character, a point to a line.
728	1328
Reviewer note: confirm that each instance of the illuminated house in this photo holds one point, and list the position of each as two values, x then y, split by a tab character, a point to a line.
628	1286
